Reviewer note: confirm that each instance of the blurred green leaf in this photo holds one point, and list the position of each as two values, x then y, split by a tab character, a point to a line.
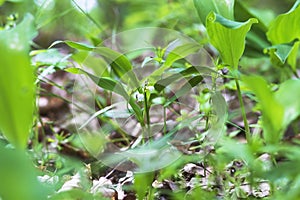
18	178
17	82
272	110
218	121
285	28
288	95
221	7
228	37
142	183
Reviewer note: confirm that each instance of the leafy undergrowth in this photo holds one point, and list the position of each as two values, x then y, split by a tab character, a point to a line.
149	113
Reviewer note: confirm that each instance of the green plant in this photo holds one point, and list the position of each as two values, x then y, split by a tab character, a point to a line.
157	105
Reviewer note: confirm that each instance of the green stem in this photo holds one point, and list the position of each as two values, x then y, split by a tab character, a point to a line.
247	129
146	110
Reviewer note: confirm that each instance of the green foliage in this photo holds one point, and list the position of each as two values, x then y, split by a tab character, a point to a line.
142	184
17	82
278	32
228	37
272	110
279	109
18	177
177	53
223	7
210	139
283	37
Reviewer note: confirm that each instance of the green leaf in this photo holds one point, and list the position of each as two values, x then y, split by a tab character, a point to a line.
163	83
284	52
221	7
228	37
285	28
177	53
17	82
119	63
142	183
112	85
288	95
18	178
272	109
218	120
185	89
74	45
256	38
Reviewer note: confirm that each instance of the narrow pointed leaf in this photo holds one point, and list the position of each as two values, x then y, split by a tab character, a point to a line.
119	63
112	85
185	88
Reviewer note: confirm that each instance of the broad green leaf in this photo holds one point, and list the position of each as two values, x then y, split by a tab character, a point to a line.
272	109
284	52
228	37
18	177
17	82
176	54
285	28
221	7
256	38
288	95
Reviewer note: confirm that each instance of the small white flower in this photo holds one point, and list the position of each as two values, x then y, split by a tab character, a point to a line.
150	88
139	97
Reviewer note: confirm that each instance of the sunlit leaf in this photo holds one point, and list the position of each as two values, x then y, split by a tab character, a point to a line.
285	28
17	82
228	37
221	7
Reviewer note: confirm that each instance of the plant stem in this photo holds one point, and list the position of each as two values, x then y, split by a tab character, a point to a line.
146	110
247	129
